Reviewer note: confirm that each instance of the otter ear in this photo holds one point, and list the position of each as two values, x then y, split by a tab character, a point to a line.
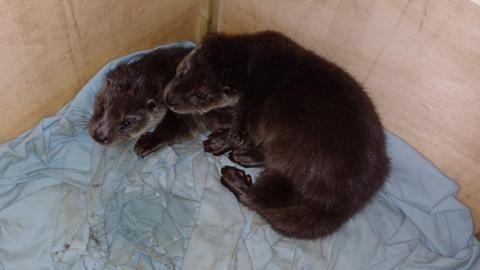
186	63
152	105
109	81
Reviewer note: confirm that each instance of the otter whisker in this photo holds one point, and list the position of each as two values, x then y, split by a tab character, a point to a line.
82	121
81	110
81	118
85	126
91	94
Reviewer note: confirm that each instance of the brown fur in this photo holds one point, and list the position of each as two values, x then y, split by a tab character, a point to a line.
308	122
133	93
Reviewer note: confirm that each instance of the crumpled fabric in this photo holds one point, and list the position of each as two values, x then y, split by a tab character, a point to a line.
69	203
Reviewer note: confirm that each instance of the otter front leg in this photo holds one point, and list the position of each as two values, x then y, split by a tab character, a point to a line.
169	131
245	152
238	135
223	140
218	142
148	143
252	157
237	182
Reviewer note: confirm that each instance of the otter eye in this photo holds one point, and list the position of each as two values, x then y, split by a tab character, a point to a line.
129	121
196	97
125	124
200	96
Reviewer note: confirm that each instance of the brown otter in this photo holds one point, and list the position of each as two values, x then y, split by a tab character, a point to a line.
131	103
307	121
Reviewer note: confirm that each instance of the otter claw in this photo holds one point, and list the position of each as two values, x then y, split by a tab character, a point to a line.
146	144
246	158
217	143
236	180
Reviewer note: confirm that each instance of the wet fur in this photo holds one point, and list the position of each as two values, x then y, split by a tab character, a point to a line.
133	92
305	120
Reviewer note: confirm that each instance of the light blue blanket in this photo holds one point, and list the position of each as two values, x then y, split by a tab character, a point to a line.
69	203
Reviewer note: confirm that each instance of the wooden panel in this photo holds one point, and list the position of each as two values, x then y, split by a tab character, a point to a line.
50	48
419	61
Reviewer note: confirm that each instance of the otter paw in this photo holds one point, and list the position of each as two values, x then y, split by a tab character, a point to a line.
236	180
217	142
239	139
146	144
246	158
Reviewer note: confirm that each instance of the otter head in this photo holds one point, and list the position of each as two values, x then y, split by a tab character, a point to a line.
200	85
126	107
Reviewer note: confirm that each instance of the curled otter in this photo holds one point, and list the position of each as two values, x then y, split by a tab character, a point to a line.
305	120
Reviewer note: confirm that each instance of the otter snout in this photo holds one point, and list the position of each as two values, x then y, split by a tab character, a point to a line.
170	100
167	95
101	135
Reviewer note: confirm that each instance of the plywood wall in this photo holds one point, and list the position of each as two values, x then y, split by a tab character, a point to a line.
50	48
419	61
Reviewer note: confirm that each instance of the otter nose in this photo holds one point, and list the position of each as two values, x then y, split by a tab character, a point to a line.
169	100
101	137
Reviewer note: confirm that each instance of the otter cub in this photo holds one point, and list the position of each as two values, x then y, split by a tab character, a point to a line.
131	103
308	122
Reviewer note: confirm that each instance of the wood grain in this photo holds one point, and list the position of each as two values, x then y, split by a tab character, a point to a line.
50	48
419	60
